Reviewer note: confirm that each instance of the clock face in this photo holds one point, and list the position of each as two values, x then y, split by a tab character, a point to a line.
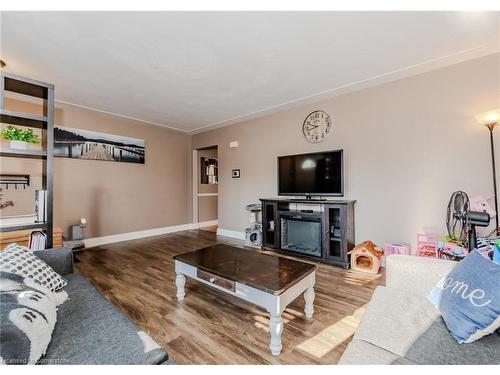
317	126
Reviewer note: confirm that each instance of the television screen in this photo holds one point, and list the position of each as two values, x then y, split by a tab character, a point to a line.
311	174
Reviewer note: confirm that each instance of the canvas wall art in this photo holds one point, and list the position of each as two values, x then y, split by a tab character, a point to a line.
91	145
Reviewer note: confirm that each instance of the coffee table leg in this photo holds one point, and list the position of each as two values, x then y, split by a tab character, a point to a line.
309	299
180	281
275	329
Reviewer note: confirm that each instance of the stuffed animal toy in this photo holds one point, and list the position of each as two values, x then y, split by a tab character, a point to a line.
366	257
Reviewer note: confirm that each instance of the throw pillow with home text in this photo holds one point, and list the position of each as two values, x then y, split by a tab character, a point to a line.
468	298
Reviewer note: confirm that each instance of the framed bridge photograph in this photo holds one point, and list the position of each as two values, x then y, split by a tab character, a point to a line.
91	145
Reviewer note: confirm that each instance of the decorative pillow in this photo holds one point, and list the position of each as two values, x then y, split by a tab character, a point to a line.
468	298
21	261
27	318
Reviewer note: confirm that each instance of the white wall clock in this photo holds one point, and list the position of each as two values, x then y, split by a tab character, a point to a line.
317	126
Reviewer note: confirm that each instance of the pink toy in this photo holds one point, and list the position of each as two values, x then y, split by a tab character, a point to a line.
427	245
481	204
396	248
451	251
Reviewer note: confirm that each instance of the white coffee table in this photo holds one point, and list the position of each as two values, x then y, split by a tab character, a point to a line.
268	281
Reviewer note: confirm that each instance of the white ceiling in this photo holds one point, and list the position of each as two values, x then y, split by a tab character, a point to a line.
197	70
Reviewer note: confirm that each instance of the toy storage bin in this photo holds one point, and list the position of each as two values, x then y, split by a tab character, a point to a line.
396	248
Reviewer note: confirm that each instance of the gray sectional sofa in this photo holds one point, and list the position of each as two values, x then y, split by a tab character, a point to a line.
89	329
400	326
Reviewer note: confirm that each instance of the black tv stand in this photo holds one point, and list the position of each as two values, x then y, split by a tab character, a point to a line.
330	221
310	198
306	200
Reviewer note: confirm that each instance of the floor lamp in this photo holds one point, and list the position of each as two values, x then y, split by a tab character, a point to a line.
491	119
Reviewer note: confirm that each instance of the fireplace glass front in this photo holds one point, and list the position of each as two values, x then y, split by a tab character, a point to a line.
301	235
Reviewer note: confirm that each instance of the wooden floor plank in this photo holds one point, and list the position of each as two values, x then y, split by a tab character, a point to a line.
211	327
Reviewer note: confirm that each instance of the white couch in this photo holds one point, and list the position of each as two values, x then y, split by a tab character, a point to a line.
400	326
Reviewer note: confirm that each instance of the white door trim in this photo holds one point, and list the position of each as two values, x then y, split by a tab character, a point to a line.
195	185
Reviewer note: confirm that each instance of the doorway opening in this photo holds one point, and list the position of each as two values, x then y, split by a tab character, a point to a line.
206	188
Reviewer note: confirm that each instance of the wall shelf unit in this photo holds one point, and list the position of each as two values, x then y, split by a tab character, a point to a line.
29	154
45	91
12	228
209	171
14	180
23	119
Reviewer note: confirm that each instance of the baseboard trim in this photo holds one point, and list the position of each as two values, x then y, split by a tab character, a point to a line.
204	224
97	241
231	234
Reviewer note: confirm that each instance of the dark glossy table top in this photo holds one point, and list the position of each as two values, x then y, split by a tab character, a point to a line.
272	274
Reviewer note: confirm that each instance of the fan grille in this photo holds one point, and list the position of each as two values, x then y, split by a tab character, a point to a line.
456	217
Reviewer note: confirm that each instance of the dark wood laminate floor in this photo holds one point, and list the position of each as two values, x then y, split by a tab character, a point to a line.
211	327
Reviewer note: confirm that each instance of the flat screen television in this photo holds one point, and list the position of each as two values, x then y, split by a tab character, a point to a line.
317	174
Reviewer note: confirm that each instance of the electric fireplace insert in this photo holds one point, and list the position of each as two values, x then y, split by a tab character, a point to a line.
301	234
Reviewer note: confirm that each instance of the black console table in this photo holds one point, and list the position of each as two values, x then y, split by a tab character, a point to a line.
319	230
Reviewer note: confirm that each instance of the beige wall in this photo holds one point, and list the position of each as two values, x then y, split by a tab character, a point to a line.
114	197
207	208
407	146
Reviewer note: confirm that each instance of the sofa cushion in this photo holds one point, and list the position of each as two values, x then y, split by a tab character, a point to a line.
60	259
360	352
27	318
469	298
90	330
410	327
21	261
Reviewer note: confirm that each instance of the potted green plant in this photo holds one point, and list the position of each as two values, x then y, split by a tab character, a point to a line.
19	138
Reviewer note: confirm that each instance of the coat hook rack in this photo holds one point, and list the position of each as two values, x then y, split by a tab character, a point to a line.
15	179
